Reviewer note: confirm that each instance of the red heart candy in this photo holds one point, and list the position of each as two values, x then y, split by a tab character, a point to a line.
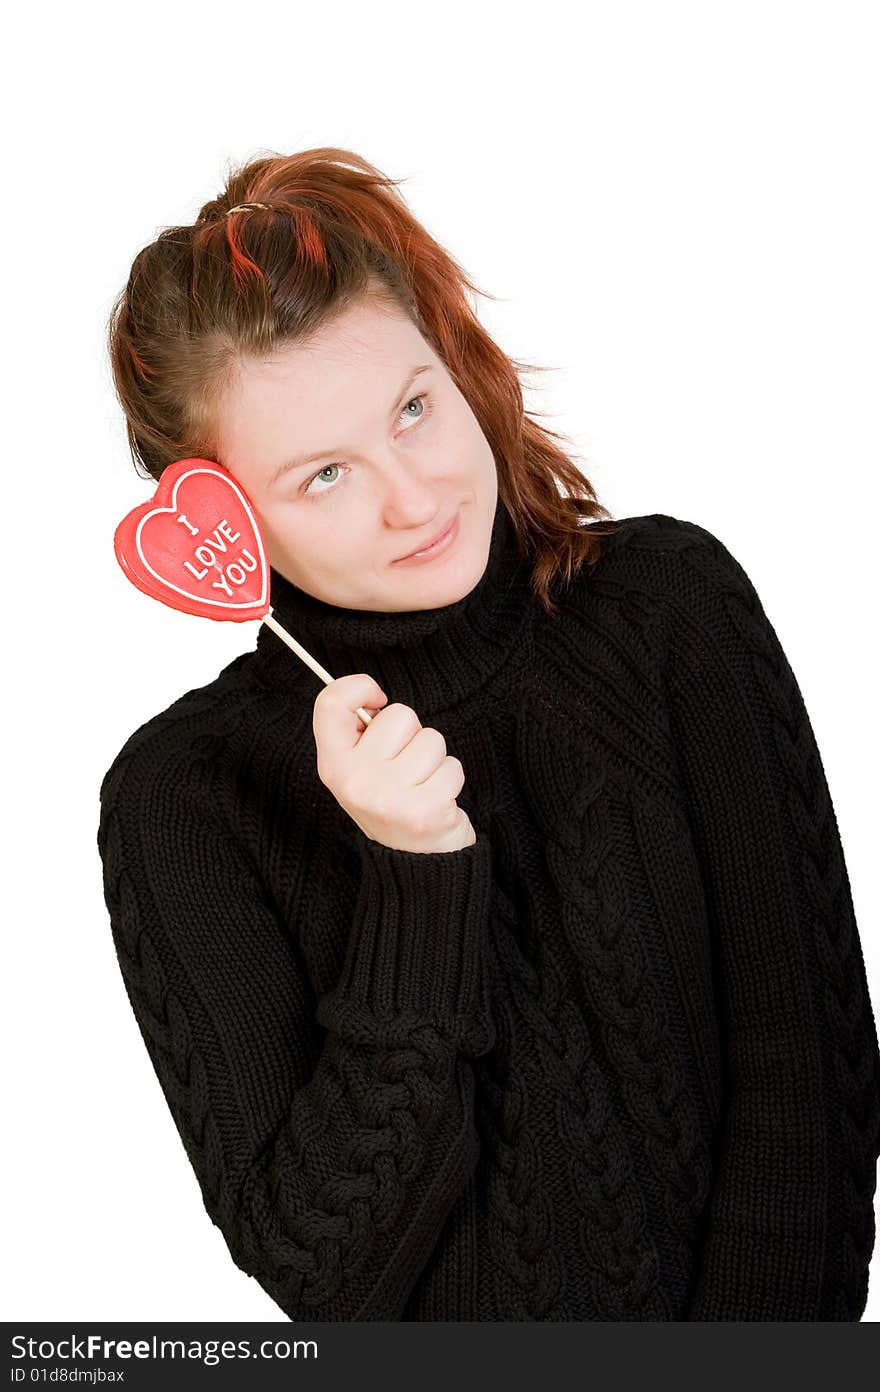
196	545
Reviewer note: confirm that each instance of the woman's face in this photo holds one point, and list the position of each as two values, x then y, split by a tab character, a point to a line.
400	459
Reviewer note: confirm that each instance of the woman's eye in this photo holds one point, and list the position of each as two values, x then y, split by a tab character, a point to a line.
310	493
326	469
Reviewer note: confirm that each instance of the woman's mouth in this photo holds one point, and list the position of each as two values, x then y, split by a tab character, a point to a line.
437	548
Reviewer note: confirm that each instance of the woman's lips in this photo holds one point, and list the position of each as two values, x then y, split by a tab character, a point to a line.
437	548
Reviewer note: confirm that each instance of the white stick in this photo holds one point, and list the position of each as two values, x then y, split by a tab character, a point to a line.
306	657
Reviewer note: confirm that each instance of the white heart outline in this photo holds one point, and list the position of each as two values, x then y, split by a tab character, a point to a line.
187	594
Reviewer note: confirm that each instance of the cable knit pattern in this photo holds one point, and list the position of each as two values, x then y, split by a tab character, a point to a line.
615	1061
601	927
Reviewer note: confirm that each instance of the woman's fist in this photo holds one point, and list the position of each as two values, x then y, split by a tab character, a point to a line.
394	778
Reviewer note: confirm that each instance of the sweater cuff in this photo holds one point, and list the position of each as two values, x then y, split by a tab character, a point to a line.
418	948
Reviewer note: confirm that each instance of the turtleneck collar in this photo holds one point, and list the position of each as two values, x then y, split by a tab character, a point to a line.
429	659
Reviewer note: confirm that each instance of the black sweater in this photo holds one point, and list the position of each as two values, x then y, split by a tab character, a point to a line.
615	1061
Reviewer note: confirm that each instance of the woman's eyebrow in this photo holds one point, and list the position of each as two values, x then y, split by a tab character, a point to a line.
298	461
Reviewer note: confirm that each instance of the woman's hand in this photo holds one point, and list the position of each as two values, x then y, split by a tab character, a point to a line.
394	778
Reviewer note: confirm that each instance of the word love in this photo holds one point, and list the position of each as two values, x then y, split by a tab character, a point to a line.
196	545
206	553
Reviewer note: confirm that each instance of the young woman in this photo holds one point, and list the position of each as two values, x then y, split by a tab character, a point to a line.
541	997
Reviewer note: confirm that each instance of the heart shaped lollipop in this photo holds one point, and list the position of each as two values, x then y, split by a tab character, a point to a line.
196	546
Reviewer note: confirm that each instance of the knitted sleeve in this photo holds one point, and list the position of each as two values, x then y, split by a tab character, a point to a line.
330	1137
790	1225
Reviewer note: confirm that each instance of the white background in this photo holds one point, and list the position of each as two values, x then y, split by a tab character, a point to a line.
677	208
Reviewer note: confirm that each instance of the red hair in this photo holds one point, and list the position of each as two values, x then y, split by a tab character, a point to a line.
242	284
